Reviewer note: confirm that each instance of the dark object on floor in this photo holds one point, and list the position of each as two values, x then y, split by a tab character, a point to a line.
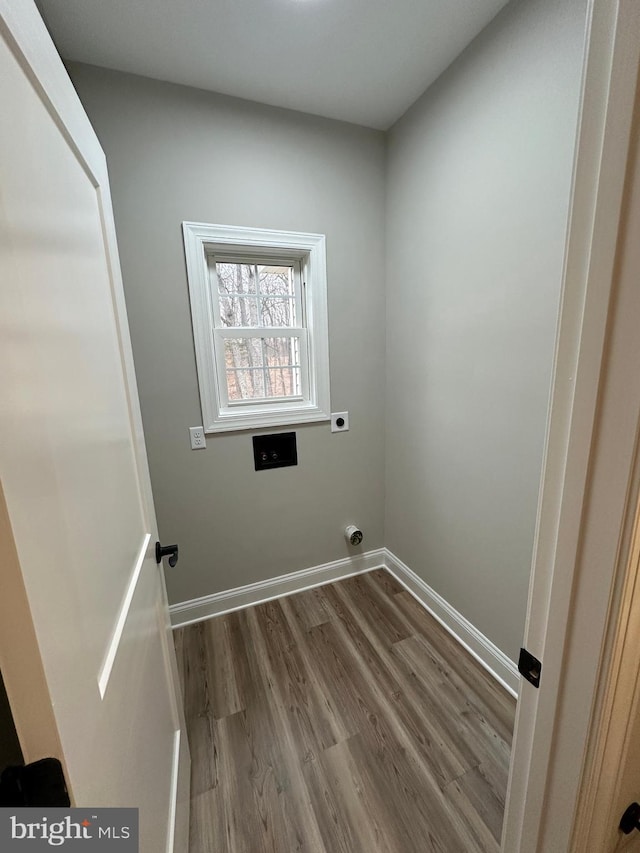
39	784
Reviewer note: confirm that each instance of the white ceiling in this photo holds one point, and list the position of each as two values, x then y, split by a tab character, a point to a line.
364	61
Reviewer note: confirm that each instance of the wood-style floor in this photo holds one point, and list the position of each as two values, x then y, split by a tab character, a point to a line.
341	720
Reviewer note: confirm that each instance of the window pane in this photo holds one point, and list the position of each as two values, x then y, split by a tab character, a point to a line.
256	295
238	311
245	384
276	280
236	278
243	352
283	381
281	352
276	311
259	368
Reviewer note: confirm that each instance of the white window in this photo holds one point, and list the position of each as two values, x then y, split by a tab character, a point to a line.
259	313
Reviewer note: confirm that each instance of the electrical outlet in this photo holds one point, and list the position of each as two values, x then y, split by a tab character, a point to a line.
198	441
339	421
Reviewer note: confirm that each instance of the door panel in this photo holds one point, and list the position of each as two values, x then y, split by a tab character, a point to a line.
69	405
72	463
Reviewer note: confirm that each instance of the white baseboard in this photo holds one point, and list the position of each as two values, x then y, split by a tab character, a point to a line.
502	668
198	609
470	638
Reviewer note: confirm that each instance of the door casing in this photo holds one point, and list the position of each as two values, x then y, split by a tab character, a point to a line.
588	485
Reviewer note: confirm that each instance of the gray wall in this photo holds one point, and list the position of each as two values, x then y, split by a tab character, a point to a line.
176	153
478	188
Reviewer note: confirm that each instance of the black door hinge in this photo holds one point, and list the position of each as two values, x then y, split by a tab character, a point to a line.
529	667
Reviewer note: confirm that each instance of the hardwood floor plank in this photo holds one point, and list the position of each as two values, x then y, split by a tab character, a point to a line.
378	606
207	823
311	607
341	720
430	733
405	767
226	698
178	642
348	808
193	665
386	581
465	726
293	687
469	677
495	776
245	789
325	706
278	745
411	814
477	808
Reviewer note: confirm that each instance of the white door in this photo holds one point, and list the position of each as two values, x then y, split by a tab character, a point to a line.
611	782
78	506
618	787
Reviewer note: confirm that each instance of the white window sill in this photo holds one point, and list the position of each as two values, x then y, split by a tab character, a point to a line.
263	420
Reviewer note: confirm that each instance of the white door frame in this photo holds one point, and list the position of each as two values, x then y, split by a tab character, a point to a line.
587	487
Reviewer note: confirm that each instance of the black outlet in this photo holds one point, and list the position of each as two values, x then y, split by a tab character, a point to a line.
275	451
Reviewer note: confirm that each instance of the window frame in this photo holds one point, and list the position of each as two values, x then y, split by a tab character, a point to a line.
235	244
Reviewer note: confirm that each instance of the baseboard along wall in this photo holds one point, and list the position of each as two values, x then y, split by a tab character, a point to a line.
198	609
502	668
493	659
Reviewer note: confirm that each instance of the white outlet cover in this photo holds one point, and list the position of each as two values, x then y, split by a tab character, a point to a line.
335	417
198	440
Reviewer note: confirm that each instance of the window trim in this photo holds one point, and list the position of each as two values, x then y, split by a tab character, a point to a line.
202	240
